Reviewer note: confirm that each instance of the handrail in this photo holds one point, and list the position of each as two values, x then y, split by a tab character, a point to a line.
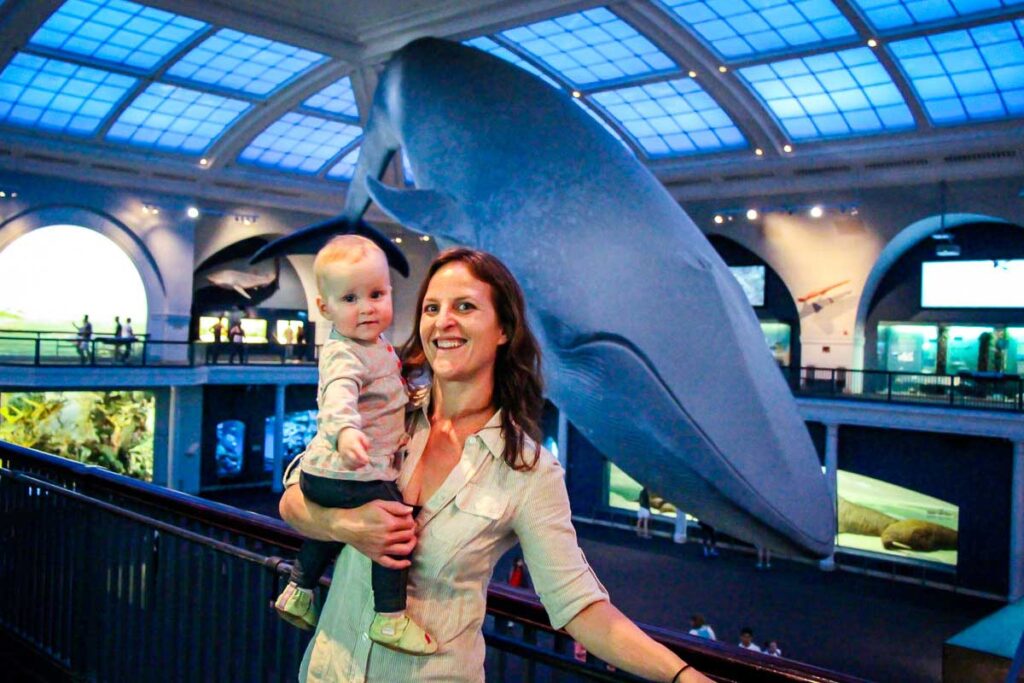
90	484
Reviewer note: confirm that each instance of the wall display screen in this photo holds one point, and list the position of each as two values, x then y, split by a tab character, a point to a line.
908	348
751	279
624	494
972	284
255	330
883	518
110	429
206	324
287	331
230	450
298	430
777	336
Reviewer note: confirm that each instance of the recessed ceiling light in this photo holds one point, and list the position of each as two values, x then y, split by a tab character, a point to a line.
723	69
817	211
692	74
204	162
718	219
192	212
752	214
872	43
398	240
759	152
787	148
424	238
577	94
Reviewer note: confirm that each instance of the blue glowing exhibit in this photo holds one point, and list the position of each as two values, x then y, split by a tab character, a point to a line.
742	468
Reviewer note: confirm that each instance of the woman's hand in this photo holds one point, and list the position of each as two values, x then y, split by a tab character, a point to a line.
378	529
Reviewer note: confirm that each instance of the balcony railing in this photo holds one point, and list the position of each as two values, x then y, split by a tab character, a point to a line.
117	580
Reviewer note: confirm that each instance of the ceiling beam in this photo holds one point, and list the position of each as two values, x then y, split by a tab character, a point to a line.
19	20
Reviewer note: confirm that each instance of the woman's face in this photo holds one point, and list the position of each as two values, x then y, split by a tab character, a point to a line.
459	326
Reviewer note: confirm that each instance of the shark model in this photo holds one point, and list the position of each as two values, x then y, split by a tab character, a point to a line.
650	347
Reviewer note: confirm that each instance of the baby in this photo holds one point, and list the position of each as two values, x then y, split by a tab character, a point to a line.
360	427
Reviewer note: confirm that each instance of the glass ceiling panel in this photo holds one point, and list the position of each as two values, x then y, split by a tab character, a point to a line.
591	48
301	143
748	28
116	32
57	96
886	15
487	45
971	75
829	95
175	119
244	63
337	98
346	167
671	118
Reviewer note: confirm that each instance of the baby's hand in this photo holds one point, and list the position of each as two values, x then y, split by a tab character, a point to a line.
353	447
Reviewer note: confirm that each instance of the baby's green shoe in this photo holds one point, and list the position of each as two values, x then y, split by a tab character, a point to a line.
399	632
296	606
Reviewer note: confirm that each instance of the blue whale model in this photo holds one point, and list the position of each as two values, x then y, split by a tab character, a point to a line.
650	347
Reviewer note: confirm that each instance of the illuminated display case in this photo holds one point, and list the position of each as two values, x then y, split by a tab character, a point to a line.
287	331
255	329
908	348
777	335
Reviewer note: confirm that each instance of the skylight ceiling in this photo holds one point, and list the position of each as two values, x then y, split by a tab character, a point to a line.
669	79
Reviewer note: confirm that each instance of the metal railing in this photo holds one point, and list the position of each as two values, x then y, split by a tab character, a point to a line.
117	580
67	350
985	390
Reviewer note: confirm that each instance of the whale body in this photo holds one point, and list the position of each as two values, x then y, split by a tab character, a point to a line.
649	346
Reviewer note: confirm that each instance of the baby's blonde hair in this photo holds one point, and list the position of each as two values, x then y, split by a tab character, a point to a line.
346	249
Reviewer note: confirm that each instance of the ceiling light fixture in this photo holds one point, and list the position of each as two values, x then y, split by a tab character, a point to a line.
692	74
398	240
424	238
759	152
204	162
723	69
719	219
192	212
787	148
151	208
817	211
752	214
872	43
577	94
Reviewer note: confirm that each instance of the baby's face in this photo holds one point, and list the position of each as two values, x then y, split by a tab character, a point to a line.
356	297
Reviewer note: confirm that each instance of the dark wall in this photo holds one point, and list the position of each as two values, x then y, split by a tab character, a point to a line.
898	298
778	302
252	404
971	472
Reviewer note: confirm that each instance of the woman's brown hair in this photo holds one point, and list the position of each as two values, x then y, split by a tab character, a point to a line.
518	387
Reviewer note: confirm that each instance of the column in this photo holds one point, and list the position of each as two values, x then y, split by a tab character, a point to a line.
177	437
831	465
275	482
1016	591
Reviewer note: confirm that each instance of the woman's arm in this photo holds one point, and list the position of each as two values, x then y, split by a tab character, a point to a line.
610	635
379	529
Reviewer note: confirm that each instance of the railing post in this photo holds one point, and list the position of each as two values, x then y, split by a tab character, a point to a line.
145	347
888	381
38	355
952	390
832	380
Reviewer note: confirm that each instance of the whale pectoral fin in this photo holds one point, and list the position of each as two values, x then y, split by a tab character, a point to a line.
425	211
240	290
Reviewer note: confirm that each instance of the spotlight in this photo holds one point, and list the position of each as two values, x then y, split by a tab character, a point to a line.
692	74
759	152
752	214
150	208
192	212
577	94
722	69
14	195
2	194
817	212
718	219
398	240
204	162
424	238
787	148
872	43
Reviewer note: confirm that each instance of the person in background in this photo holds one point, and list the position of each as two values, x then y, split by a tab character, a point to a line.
236	338
747	639
699	627
84	339
129	338
709	539
764	558
643	514
772	648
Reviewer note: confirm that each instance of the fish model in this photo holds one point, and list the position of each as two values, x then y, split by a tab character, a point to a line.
650	347
241	281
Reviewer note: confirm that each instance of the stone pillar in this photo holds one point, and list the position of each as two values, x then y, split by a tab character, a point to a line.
275	482
177	438
1016	591
831	465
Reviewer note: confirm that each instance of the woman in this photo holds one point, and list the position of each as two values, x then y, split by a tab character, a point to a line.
483	485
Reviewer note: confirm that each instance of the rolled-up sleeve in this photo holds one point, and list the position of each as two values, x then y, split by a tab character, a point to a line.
561	574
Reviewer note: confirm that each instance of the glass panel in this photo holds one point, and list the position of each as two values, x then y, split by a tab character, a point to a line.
244	63
591	48
908	348
175	119
346	168
886	15
487	45
1015	350
57	96
835	94
296	142
971	75
964	348
337	98
671	118
230	451
116	32
777	336
747	28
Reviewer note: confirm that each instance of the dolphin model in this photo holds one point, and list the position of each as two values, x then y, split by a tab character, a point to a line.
241	281
650	347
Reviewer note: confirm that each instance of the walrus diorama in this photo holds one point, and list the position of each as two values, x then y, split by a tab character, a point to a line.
895	534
